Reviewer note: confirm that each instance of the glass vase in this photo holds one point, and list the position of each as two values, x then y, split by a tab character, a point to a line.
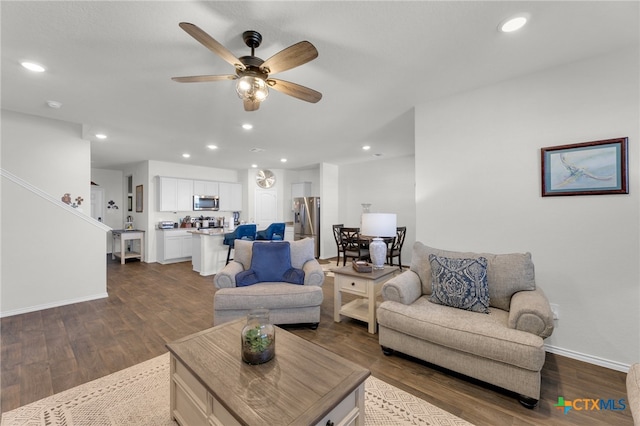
258	340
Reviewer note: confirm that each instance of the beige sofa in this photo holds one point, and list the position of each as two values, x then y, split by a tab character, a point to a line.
633	392
287	303
503	347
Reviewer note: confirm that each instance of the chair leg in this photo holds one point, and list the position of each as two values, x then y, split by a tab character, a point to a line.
228	255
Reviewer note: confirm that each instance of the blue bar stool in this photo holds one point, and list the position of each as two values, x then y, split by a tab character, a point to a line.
242	232
274	232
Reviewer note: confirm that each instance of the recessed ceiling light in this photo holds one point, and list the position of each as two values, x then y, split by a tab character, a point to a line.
185	155
101	136
283	160
54	104
31	66
212	147
366	147
254	166
514	23
247	126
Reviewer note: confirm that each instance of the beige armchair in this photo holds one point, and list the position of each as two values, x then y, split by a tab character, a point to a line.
287	303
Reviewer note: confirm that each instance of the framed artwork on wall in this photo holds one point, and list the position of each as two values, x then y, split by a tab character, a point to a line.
139	199
130	203
588	168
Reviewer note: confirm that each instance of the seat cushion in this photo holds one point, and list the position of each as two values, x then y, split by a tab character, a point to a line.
486	336
270	295
506	273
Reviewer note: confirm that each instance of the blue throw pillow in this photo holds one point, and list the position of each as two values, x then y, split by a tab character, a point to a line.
460	283
270	262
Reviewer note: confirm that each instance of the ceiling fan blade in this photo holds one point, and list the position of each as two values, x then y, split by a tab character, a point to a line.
251	106
295	90
291	57
204	78
210	43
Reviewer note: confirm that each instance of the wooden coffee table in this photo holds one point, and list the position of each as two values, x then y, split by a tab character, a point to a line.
366	285
303	384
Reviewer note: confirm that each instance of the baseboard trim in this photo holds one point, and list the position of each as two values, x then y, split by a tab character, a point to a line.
52	305
606	363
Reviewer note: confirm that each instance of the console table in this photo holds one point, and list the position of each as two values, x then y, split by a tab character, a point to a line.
126	235
303	384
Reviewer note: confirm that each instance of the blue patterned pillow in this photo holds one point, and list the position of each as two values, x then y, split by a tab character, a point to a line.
460	283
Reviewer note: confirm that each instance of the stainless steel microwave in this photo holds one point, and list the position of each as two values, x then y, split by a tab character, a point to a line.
206	202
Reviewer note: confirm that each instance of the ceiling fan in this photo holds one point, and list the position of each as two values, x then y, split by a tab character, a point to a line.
252	72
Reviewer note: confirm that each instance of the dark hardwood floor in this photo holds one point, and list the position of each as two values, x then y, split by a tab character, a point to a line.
149	305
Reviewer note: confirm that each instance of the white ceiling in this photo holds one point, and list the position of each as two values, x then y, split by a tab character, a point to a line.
110	63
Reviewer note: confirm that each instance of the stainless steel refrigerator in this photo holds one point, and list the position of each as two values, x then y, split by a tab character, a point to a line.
306	220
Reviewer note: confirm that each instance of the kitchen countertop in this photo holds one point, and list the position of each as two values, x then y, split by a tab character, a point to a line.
212	231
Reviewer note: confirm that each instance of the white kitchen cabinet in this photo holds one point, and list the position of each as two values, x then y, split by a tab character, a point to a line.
175	194
205	187
185	195
230	196
167	197
174	245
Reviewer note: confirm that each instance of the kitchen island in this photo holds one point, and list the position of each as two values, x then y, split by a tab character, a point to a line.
209	254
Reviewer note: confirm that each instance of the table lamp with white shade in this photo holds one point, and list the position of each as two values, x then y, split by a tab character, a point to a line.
378	225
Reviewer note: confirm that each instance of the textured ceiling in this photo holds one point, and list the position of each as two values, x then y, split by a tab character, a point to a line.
110	64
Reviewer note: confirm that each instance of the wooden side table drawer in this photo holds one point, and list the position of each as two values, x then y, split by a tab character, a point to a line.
353	284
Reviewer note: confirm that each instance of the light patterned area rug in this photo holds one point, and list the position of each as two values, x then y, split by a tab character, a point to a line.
139	395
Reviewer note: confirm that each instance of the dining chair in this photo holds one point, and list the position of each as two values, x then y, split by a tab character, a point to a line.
352	246
395	250
336	236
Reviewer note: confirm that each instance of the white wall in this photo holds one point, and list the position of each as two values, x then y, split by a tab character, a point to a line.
48	154
329	212
51	255
111	182
389	186
478	189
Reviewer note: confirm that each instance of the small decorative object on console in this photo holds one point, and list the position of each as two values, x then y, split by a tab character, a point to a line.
362	266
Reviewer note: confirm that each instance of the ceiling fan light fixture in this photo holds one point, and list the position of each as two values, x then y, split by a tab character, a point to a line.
252	88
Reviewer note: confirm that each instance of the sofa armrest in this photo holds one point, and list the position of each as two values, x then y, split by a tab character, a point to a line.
404	288
530	311
226	278
313	273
